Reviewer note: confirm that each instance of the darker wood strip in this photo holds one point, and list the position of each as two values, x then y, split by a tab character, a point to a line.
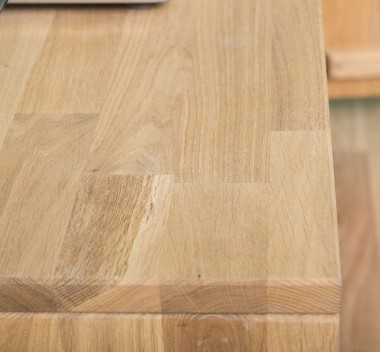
98	238
171	296
72	295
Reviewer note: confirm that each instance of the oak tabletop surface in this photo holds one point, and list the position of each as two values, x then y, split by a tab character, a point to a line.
173	158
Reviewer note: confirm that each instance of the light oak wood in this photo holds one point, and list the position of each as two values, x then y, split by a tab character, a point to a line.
173	159
298	72
88	332
353	64
352	25
20	48
164	174
356	125
79	47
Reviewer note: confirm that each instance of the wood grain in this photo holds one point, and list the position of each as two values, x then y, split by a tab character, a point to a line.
301	180
72	69
356	126
88	332
208	104
228	95
298	72
140	118
119	221
20	48
172	159
37	203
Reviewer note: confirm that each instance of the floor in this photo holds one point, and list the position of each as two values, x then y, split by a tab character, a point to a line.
356	144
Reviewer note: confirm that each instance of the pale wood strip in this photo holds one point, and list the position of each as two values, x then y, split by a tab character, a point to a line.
301	180
224	133
314	334
141	115
41	163
216	231
73	67
299	96
94	332
20	48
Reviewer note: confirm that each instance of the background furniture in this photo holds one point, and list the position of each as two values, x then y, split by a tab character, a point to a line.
352	30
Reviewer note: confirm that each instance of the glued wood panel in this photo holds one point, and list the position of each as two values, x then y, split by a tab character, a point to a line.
133	230
172	159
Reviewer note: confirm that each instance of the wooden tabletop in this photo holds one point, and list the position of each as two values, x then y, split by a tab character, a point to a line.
173	159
